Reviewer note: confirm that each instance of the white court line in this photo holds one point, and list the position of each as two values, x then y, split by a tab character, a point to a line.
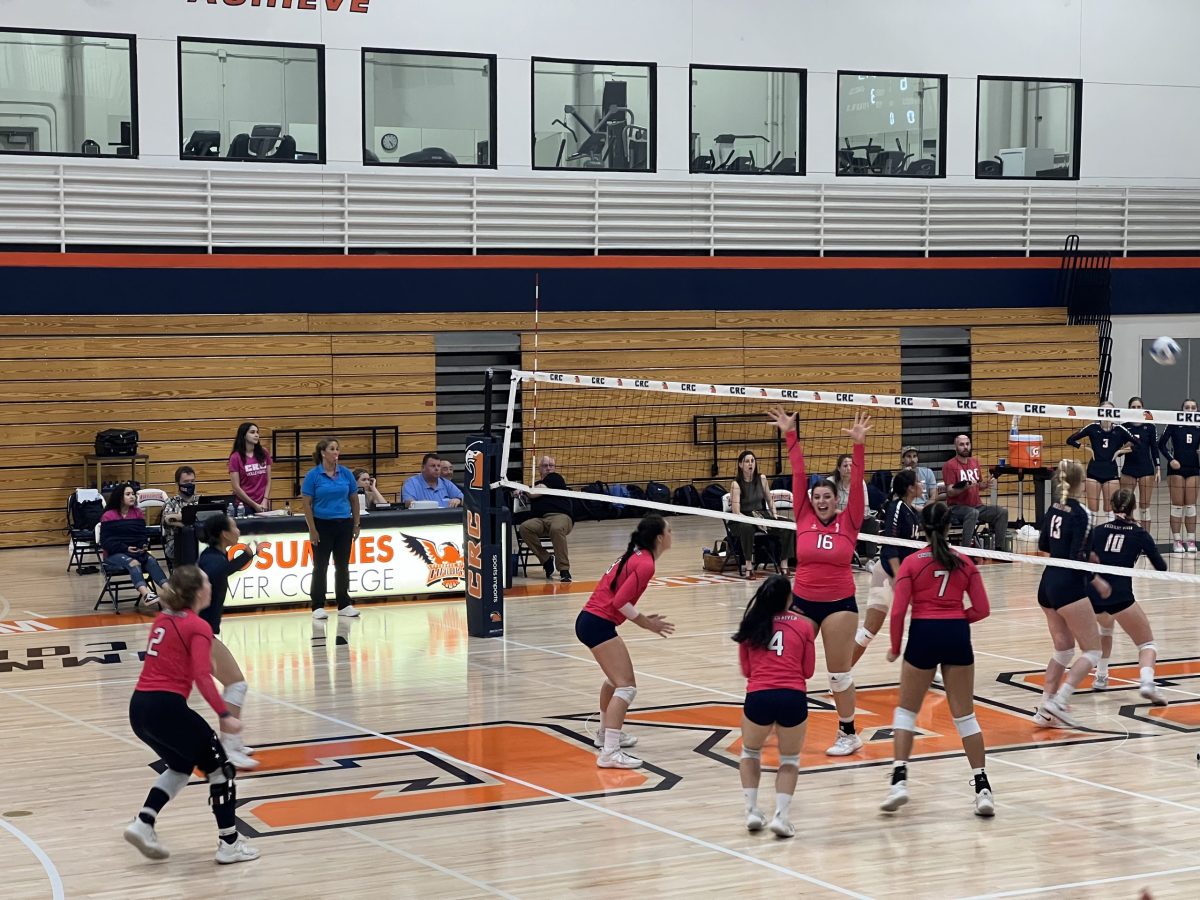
74	720
74	684
30	612
1026	892
586	804
391	848
612	865
56	885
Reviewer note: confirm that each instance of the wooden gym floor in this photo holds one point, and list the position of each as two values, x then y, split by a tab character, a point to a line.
401	758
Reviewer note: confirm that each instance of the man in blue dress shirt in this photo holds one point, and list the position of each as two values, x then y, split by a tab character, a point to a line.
429	485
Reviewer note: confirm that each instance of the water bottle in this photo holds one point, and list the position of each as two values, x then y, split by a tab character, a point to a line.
1014	430
241	510
230	509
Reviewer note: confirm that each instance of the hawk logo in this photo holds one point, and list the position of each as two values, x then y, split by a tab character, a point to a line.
665	386
446	565
762	392
577	379
874	399
1148	416
817	395
473	464
620	383
1070	410
999	407
712	388
935	404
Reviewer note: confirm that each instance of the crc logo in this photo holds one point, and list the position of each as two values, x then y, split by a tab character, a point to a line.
641	382
1035	408
790	395
845	398
687	387
902	401
555	377
1187	417
445	562
1105	413
597	379
966	404
739	391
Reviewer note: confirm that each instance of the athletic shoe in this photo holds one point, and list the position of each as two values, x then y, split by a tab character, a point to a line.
320	615
755	820
1100	681
239	851
1177	547
1060	711
548	565
348	612
144	838
1150	691
937	677
781	826
896	797
235	754
845	745
618	759
249	751
564	576
1044	720
1191	546
984	804
627	740
151	599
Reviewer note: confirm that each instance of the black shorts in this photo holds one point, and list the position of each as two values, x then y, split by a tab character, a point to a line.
1062	587
939	642
818	610
1184	471
1113	604
165	723
780	706
1102	471
1137	468
592	630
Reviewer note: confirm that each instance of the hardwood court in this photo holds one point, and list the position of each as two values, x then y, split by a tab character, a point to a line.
401	758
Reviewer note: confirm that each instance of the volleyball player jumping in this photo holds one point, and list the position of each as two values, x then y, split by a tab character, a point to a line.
1106	440
1140	466
612	602
1180	446
934	581
823	587
178	655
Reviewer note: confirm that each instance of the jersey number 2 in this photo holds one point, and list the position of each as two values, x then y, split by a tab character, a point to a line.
776	643
156	637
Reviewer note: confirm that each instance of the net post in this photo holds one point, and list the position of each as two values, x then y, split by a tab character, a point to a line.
484	528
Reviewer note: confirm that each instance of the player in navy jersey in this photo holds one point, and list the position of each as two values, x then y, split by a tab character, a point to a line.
178	655
900	520
1121	543
1180	446
1105	440
1140	466
934	581
1063	596
778	656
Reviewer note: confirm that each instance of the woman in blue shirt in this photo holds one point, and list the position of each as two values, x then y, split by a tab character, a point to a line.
331	510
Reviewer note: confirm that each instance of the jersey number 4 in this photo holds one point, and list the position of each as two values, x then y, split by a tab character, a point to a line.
156	637
776	643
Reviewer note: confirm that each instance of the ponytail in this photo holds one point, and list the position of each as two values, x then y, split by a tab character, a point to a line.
214	527
320	448
771	599
647	532
1124	502
935	521
182	588
902	481
1067	479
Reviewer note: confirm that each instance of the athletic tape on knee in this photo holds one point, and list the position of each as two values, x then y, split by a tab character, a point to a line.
967	725
1063	657
904	720
840	681
1176	512
171	782
747	753
790	761
1106	632
1149	645
626	693
862	637
1189	512
236	693
879	597
1092	656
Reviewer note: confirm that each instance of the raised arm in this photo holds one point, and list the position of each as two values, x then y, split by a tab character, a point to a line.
787	426
856	505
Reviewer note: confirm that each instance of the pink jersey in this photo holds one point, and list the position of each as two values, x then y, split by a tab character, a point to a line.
631	583
936	593
252	474
824	552
955	470
786	662
179	655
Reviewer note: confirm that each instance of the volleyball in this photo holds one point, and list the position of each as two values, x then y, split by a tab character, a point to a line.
1164	351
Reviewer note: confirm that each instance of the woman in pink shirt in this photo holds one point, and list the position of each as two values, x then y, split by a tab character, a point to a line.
125	542
250	468
612	602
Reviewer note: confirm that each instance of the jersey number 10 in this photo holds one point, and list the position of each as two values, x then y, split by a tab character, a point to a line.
1114	543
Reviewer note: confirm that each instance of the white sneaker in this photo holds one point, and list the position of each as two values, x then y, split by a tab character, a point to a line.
1100	681
1191	546
151	599
781	826
937	676
1042	719
1150	691
618	759
896	797
755	820
144	838
249	751
984	804
235	754
1052	707
320	615
348	611
1177	547
845	745
627	740
239	851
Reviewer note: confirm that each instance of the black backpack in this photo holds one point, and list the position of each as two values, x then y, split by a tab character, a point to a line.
658	492
596	509
117	442
83	516
781	483
635	493
686	496
712	497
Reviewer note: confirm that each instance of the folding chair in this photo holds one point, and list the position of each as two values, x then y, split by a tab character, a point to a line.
151	502
115	581
765	546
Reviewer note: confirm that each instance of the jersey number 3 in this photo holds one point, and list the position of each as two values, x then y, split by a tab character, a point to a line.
156	637
776	643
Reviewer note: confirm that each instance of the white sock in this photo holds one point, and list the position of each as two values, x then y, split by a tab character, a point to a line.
978	771
1102	666
1064	694
783	803
1147	673
612	740
600	735
751	795
1179	536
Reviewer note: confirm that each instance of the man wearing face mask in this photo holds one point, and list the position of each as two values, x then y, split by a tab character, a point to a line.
172	514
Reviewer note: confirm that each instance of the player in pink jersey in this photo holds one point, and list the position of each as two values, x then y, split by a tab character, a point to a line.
612	602
178	655
824	585
933	581
777	652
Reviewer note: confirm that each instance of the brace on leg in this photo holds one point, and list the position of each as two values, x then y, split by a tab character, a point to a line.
904	720
789	761
1092	656
171	782
1063	657
1106	632
1149	645
967	725
879	597
862	637
626	693
840	681
747	753
221	787
235	693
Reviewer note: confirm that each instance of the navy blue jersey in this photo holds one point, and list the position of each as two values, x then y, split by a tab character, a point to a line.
1065	531
1144	456
900	521
1121	543
1181	442
1105	443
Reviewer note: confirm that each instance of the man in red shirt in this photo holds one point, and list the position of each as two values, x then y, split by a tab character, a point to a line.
964	480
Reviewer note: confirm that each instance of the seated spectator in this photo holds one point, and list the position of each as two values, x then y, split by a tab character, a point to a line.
549	517
909	459
172	513
749	495
366	486
447	470
841	480
429	484
125	542
963	482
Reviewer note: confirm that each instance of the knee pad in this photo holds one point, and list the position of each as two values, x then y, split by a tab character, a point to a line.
171	782
1149	645
862	637
1189	512
879	598
626	693
747	753
235	693
967	725
840	681
1092	656
1176	512
222	792
1063	657
1146	517
789	761
1106	632
904	720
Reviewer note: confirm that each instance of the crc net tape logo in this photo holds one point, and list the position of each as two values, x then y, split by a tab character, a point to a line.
446	564
354	6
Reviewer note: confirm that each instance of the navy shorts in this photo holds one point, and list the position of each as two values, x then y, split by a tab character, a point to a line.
939	642
1062	587
818	611
780	706
592	630
1140	468
1183	471
1102	471
1113	604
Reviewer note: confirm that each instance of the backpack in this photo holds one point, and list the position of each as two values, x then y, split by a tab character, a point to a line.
619	491
781	483
658	492
711	498
84	515
117	442
686	496
595	509
634	493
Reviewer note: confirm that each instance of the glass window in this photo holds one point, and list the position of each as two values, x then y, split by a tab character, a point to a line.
891	124
747	121
67	94
593	115
428	109
1027	128
242	100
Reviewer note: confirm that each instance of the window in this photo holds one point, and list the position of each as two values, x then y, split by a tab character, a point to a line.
891	124
747	121
593	115
68	94
429	109
249	101
1027	128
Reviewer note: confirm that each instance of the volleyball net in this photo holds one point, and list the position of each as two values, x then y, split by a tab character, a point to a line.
630	444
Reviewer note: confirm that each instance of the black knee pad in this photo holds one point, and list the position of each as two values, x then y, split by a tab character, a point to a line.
222	789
